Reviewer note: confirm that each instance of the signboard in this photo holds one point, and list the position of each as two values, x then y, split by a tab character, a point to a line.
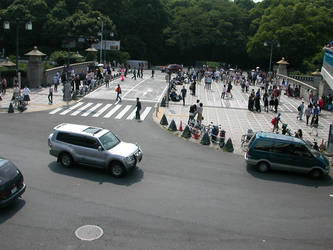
107	45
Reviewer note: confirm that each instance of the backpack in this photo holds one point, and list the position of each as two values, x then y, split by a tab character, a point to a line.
274	120
299	108
193	108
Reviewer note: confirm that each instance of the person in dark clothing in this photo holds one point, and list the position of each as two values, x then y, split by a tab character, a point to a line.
152	72
193	86
276	104
138	109
251	101
257	101
265	99
183	94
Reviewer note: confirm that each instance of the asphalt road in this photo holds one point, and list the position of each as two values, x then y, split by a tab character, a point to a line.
183	196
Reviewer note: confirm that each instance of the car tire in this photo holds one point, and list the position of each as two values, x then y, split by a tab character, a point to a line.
117	170
316	174
263	167
65	160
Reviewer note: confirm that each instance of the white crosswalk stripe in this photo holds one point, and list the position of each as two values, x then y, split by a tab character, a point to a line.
71	108
123	112
145	113
55	111
92	109
81	109
132	115
110	113
102	110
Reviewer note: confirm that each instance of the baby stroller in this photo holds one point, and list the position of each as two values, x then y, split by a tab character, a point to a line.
21	106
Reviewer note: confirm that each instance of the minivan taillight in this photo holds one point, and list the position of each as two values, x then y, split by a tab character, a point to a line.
4	194
248	154
21	182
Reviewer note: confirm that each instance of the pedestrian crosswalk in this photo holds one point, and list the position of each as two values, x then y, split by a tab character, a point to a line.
116	111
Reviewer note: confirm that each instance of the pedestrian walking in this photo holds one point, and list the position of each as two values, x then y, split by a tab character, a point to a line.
50	96
107	79
141	70
26	95
257	101
275	121
223	91
118	91
276	104
4	85
192	112
229	88
138	109
152	72
308	113
265	99
183	91
200	112
134	74
315	124
251	100
300	110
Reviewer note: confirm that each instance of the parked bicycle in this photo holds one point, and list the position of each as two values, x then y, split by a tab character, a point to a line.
246	139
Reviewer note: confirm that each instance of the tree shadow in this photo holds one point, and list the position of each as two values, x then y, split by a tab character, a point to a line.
290	177
98	175
10	210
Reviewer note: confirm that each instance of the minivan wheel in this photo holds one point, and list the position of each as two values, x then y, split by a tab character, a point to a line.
316	174
263	167
66	160
117	170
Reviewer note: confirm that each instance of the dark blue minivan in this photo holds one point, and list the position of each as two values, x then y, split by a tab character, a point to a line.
275	151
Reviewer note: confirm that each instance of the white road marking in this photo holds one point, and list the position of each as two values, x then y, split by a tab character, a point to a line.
132	115
123	112
108	115
82	109
55	111
92	109
102	110
331	195
71	108
134	87
145	113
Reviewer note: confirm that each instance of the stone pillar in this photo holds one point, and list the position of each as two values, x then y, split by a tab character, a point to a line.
318	83
282	67
35	71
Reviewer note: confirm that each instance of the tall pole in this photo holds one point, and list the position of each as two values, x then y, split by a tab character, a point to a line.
101	47
270	59
17	47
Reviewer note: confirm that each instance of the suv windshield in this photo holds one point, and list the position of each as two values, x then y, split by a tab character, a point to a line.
109	140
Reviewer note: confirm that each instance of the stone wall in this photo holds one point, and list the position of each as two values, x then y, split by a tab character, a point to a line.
78	67
305	88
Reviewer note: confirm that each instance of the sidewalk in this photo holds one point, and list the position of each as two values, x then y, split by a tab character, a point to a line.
234	117
39	100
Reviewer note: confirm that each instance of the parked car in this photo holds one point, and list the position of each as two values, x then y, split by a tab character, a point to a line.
11	182
174	67
276	151
92	146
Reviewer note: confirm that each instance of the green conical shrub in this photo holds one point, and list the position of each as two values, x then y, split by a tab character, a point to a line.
164	121
186	133
163	102
205	139
11	108
228	147
173	126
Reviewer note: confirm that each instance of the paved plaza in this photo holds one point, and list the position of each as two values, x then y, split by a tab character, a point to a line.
235	118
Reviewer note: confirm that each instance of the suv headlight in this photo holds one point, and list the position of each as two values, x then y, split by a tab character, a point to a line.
130	159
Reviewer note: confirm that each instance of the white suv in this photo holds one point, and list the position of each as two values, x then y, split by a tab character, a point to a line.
93	146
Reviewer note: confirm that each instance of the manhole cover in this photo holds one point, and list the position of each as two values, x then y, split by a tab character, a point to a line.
89	232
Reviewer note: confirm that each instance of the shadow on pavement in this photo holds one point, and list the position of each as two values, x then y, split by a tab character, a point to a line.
98	175
10	210
289	177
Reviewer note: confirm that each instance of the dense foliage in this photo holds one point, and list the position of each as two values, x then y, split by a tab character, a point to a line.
177	31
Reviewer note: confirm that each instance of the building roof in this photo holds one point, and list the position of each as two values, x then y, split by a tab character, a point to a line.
7	63
282	61
316	73
35	52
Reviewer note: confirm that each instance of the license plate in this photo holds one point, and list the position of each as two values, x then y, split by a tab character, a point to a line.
14	190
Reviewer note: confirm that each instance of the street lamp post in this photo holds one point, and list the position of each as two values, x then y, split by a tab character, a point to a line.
271	43
101	44
28	26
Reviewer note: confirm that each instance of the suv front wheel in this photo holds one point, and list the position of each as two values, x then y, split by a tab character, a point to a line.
66	160
117	170
316	174
263	167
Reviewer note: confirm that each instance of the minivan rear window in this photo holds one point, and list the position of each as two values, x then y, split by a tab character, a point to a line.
263	145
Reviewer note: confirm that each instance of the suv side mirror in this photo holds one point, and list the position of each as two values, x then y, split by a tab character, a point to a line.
100	148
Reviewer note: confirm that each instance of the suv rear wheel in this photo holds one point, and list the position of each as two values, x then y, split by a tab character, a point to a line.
66	160
263	167
316	174
117	170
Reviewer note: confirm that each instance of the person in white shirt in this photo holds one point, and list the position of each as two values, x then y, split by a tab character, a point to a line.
26	93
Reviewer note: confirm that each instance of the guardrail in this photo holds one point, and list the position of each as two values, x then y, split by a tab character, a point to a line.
305	88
